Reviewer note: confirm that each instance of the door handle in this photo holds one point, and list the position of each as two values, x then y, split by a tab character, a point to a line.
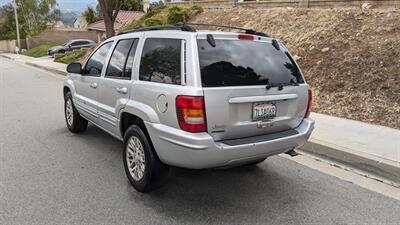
122	90
93	85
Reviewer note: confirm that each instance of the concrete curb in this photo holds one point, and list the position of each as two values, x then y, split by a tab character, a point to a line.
64	73
4	56
379	168
54	70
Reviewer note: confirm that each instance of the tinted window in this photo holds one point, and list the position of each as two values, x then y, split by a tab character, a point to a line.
161	61
75	43
120	65
241	63
94	65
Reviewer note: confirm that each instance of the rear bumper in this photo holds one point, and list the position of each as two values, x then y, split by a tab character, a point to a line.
199	150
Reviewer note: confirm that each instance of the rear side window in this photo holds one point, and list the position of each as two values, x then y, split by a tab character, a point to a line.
94	65
121	62
243	63
161	61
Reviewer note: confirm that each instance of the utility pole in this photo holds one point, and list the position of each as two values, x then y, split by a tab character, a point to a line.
16	22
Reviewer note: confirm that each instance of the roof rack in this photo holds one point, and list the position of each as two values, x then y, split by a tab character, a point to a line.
247	31
181	27
187	27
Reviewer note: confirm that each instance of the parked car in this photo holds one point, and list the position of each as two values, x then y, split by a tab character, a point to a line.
71	45
193	99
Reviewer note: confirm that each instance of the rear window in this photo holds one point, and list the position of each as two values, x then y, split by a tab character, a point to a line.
244	63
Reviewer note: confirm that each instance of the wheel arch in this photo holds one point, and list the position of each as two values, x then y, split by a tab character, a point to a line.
68	87
127	119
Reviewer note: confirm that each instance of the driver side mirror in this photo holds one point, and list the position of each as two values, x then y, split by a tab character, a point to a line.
74	68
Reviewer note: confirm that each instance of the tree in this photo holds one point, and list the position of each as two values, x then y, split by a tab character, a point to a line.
90	15
109	10
33	15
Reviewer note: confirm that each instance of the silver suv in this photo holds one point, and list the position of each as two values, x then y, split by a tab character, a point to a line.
194	99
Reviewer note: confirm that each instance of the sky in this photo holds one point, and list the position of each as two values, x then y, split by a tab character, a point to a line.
75	5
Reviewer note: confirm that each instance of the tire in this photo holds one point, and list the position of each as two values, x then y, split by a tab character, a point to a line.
142	166
255	162
75	123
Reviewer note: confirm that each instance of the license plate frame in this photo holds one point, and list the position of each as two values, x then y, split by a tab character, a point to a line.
268	110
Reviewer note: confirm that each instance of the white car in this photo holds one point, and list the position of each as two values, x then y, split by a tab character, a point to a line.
187	98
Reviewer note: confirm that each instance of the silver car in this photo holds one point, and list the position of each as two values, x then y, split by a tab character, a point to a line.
70	46
182	97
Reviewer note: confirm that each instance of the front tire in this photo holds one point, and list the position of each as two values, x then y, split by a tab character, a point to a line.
75	123
142	166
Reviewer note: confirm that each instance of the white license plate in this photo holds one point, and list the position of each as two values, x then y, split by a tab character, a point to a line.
264	110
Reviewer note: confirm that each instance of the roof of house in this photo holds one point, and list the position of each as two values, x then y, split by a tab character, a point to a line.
124	18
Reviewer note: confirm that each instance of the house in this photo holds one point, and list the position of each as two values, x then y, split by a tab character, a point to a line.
80	23
124	18
59	25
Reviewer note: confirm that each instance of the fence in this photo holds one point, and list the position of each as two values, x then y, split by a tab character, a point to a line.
60	36
9	45
218	4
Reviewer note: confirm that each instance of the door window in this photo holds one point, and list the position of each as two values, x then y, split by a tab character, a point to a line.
121	62
76	43
94	65
161	61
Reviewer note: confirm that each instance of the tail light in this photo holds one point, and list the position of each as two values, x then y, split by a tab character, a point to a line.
309	104
191	114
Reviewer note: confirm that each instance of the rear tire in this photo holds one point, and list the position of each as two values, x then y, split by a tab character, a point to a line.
75	123
142	166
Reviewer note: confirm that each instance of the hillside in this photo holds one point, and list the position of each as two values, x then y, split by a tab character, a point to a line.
351	58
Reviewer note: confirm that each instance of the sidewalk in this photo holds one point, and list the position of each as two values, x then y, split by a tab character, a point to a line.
45	63
372	148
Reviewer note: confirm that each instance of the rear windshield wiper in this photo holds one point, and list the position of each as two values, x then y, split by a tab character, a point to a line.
281	85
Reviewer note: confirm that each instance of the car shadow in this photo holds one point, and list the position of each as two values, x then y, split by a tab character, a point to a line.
189	194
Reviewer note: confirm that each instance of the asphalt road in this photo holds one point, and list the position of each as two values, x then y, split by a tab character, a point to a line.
50	176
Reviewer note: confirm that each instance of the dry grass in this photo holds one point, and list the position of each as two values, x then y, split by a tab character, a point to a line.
358	77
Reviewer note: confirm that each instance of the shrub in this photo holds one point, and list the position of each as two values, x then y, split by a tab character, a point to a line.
155	20
158	14
154	9
177	14
71	57
196	9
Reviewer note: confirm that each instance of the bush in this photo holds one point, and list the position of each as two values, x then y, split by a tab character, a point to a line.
154	9
71	57
196	9
158	14
177	14
40	50
152	21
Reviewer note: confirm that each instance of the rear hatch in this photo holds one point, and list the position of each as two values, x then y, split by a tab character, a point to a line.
251	84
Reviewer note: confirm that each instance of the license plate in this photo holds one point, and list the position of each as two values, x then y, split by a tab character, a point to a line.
264	110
